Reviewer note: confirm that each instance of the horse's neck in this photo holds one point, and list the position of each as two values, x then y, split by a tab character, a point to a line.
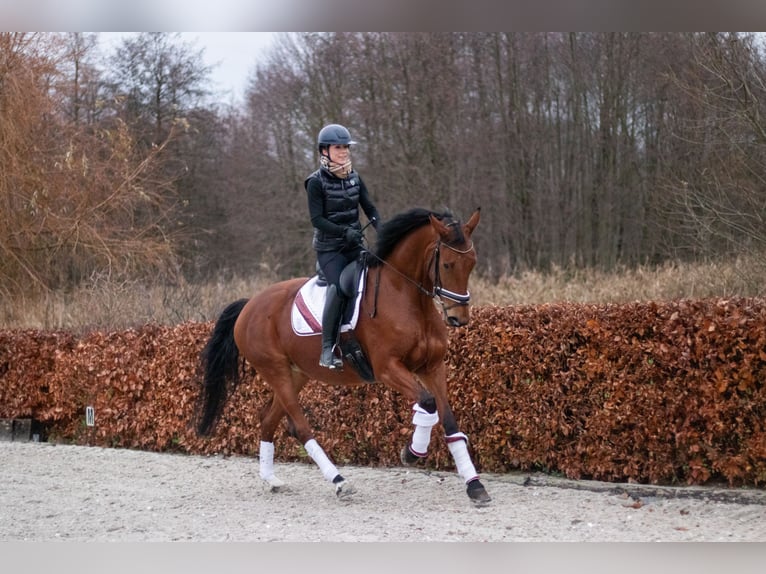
413	257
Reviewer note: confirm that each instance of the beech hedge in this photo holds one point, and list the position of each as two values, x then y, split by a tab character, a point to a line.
653	392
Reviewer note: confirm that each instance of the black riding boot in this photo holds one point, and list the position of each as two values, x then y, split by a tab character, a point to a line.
330	324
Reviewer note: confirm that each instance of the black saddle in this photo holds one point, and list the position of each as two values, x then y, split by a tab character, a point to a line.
349	278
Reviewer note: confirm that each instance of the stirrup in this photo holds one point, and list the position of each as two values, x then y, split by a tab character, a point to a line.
333	363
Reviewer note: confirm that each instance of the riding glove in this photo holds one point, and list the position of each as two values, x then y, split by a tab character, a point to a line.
353	237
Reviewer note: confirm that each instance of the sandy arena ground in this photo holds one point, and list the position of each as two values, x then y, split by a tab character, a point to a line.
57	492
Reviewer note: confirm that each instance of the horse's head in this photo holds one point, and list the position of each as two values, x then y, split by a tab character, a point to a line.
454	259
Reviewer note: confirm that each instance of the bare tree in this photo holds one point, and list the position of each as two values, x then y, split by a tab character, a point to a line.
157	78
719	200
577	142
81	90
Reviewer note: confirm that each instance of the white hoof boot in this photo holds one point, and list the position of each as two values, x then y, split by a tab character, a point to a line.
273	484
344	490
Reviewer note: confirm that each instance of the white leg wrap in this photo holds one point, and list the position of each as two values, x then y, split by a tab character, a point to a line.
458	446
420	440
424	422
329	471
266	464
266	460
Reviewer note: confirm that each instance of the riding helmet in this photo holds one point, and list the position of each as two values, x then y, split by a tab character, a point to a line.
334	134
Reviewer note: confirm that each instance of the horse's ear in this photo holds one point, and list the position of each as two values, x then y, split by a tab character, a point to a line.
439	226
473	221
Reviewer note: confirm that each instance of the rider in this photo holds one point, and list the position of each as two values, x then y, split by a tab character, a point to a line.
335	192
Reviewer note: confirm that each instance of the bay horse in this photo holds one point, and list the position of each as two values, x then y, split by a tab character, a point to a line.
422	259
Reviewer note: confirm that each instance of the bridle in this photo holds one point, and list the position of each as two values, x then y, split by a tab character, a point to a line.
459	299
438	292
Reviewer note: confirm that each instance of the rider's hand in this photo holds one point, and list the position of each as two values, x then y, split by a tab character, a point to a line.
353	237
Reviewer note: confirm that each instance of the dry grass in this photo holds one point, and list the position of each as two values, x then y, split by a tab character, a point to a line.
104	304
743	277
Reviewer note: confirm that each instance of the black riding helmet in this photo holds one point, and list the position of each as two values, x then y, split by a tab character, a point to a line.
333	134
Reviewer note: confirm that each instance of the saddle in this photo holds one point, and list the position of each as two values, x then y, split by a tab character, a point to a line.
306	313
349	282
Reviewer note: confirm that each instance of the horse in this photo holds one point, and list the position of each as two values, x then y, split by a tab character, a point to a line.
414	288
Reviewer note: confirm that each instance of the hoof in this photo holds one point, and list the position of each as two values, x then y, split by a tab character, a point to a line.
344	490
407	458
273	484
477	493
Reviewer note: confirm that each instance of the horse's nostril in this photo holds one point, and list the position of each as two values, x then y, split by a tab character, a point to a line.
453	321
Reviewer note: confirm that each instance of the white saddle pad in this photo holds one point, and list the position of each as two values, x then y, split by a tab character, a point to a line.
306	312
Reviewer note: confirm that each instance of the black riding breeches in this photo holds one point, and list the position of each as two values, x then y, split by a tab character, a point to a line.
333	262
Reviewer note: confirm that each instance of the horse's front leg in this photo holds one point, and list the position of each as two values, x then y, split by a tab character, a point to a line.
428	390
457	442
424	418
424	409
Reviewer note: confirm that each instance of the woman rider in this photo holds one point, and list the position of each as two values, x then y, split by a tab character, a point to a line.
335	193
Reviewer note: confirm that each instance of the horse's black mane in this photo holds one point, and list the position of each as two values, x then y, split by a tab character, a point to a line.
401	225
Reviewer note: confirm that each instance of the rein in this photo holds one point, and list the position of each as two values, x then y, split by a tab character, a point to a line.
438	291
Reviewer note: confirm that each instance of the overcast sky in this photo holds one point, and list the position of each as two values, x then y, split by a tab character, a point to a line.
231	55
412	15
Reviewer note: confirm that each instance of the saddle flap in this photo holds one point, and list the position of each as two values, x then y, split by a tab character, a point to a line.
306	311
349	278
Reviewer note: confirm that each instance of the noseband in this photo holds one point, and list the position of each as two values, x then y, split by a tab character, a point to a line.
440	291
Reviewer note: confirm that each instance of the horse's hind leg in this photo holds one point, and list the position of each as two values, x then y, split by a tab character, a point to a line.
286	402
270	417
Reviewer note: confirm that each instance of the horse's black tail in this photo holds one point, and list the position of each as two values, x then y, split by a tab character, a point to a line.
220	362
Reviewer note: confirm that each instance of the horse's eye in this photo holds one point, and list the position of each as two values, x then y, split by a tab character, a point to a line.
448	265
